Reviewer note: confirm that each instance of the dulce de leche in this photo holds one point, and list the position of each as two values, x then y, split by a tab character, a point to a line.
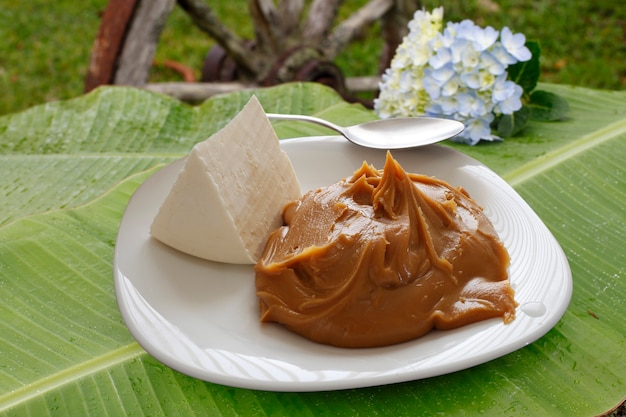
381	258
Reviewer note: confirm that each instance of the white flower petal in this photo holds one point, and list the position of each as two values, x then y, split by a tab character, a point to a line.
485	38
515	44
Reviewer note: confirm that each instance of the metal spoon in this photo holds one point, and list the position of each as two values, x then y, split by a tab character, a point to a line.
395	133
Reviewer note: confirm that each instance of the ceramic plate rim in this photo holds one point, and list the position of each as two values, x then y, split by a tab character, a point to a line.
176	347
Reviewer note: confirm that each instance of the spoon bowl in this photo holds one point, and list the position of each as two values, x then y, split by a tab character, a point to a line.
394	133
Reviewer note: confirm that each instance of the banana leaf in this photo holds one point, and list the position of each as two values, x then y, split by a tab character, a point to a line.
68	169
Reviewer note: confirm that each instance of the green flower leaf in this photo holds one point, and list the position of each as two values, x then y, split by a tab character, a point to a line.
526	74
546	106
69	168
511	124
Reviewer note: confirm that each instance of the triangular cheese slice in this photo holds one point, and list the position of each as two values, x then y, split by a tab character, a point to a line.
230	193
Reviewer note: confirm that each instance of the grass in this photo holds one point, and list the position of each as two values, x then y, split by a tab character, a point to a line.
45	47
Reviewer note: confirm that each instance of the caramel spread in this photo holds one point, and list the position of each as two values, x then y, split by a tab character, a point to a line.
382	258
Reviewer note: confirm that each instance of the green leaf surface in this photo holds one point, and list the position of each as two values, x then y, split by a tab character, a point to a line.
526	73
511	124
546	106
68	169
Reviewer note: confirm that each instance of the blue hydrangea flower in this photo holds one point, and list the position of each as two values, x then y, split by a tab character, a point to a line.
515	44
458	72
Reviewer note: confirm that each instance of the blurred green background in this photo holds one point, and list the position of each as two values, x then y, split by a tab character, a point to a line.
45	45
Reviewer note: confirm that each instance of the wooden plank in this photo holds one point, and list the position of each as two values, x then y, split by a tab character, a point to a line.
348	29
197	92
394	26
141	42
111	34
322	15
205	19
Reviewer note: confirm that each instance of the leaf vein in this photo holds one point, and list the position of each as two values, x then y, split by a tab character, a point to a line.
71	374
554	158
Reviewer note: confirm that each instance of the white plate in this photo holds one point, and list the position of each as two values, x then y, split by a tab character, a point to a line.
201	318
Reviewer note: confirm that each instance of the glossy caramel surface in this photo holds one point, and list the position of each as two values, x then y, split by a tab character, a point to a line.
381	258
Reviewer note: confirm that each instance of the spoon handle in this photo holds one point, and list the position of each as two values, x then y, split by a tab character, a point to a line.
310	119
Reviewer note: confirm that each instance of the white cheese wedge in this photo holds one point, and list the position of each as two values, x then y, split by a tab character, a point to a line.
230	193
